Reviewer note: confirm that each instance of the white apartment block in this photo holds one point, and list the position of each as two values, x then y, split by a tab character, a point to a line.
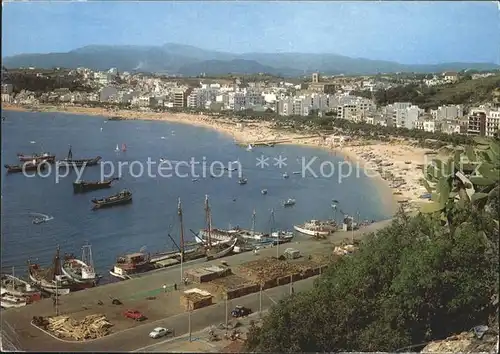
483	122
403	114
449	112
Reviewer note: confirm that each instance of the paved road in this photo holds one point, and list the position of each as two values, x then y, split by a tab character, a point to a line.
137	338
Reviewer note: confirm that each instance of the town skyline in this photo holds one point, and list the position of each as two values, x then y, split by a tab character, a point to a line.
407	33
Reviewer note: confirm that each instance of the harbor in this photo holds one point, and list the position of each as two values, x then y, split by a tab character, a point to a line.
144	292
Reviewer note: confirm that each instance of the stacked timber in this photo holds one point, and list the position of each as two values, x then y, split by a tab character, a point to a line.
344	250
195	298
206	274
90	327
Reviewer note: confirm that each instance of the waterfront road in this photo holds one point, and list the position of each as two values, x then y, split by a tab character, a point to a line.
137	338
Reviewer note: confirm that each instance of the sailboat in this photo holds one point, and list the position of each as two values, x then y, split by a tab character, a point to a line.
249	148
117	148
51	279
208	235
251	234
81	271
16	292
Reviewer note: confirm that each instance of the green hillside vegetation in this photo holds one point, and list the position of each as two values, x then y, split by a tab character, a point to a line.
420	279
466	91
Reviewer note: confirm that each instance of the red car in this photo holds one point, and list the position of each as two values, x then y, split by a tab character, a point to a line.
135	315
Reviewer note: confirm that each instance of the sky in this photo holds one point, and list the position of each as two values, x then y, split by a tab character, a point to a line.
406	32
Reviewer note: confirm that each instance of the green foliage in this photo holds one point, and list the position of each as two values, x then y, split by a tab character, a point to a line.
410	283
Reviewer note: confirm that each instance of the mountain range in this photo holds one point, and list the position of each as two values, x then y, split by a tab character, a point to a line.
186	60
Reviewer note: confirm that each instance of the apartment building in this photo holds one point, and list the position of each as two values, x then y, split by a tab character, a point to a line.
449	112
403	115
180	97
483	122
7	89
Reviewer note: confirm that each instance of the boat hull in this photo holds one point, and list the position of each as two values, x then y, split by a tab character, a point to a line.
25	167
309	232
121	201
26	158
79	163
84	187
222	253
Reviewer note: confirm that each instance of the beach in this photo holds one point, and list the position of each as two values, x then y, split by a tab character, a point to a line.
394	165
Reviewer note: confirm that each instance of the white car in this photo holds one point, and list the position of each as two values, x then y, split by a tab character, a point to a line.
159	332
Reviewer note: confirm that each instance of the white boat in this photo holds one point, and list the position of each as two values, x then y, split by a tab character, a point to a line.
242	181
216	236
9	301
249	148
264	191
289	202
317	228
117	148
285	175
17	292
132	263
222	253
250	234
282	235
80	271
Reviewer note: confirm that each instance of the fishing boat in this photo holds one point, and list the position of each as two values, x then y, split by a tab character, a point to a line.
250	234
69	161
86	186
51	279
289	202
16	292
220	251
210	236
264	191
80	271
133	263
317	228
122	197
242	181
44	156
27	166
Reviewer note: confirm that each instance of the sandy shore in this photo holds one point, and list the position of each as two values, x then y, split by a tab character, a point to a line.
393	166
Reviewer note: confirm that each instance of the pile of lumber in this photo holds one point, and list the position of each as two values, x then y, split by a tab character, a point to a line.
90	327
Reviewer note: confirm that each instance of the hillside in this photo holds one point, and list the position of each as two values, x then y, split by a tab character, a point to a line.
466	91
188	60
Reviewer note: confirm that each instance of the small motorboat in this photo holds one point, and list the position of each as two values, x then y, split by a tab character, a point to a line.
297	172
289	202
285	175
242	181
264	191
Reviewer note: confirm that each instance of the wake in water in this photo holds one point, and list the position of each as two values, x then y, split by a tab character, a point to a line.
39	218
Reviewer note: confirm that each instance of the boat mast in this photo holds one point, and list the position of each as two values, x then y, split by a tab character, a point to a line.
56	266
70	153
87	256
252	231
277	238
179	212
209	221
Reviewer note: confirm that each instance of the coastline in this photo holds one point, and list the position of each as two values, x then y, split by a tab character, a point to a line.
361	153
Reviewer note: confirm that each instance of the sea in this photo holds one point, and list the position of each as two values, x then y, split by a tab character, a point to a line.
153	215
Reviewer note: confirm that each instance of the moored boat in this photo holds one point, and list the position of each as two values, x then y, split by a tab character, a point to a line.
281	236
317	228
17	292
27	166
129	264
209	234
51	279
289	202
86	186
69	161
80	271
242	181
123	197
45	156
220	251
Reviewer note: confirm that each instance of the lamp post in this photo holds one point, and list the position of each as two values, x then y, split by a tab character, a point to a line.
189	322
260	301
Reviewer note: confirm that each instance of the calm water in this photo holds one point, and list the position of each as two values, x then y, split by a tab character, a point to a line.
153	213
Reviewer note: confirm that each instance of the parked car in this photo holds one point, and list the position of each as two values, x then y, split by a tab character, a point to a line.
159	332
241	311
135	315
